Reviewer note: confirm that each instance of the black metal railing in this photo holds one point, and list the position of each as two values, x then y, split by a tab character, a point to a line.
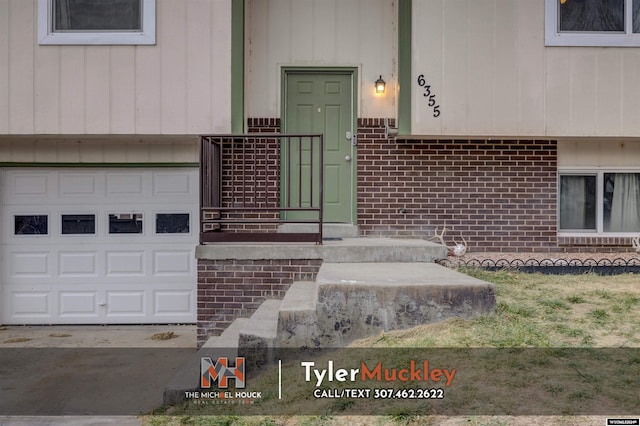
252	184
599	266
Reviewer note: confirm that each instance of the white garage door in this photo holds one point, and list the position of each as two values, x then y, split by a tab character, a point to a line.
98	246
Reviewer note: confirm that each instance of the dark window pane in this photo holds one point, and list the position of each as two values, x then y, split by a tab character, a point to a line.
578	202
73	224
125	223
97	15
172	223
592	15
636	16
621	200
31	225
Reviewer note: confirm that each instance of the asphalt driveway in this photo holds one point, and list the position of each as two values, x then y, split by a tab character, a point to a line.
88	370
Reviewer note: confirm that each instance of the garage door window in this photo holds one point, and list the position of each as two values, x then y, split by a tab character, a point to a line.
31	224
125	223
172	223
78	224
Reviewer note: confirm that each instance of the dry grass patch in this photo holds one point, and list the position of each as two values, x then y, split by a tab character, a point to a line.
532	311
164	336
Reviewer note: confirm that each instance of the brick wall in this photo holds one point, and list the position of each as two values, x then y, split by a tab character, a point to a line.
229	289
499	194
263	125
598	244
251	178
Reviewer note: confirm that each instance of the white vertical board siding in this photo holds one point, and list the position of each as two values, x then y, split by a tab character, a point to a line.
471	53
427	45
597	152
198	66
320	33
21	67
4	64
630	84
125	150
455	64
166	88
558	86
122	107
530	62
609	91
173	103
506	69
493	76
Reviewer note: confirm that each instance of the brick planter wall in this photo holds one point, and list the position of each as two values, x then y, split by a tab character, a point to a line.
229	289
598	244
499	194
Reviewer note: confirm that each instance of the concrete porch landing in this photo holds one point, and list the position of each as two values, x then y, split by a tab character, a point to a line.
347	250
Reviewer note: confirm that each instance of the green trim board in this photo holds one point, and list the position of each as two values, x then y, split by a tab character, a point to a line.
404	66
237	66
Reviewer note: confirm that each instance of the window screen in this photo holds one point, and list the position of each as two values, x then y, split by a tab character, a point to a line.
97	15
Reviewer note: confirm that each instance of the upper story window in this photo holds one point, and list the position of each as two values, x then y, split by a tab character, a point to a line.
96	21
592	23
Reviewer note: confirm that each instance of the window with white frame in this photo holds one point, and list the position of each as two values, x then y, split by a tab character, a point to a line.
605	202
592	23
96	22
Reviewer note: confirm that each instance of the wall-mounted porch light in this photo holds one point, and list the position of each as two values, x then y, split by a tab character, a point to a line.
380	85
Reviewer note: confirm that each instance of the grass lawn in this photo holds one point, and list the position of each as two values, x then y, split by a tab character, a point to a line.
532	311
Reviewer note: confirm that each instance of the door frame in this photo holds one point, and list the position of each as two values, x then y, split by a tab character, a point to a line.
352	72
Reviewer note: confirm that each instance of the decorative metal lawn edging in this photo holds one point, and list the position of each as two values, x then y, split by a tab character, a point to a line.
550	266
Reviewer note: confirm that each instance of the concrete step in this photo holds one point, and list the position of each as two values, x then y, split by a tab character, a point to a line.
262	328
364	250
187	379
297	319
359	300
346	250
229	337
329	230
238	339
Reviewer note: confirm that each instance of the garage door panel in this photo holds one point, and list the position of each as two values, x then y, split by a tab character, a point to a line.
76	270
77	264
78	304
172	184
125	184
78	185
125	303
172	303
125	264
173	263
29	304
30	264
29	185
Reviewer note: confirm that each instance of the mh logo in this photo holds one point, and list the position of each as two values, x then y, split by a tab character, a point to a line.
221	372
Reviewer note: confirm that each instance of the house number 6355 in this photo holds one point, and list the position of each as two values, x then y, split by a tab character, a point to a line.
431	98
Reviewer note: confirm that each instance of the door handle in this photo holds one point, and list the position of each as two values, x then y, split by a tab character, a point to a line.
347	159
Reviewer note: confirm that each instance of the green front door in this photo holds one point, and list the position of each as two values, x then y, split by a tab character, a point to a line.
323	103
